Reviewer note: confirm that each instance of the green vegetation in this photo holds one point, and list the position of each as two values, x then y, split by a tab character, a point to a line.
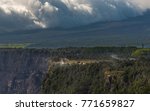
117	77
141	52
93	70
14	45
106	75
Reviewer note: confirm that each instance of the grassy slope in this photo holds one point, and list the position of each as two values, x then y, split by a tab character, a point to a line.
141	52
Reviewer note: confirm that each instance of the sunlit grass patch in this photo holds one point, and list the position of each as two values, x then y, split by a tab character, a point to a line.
141	52
14	45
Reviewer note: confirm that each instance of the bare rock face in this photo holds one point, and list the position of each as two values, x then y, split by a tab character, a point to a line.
22	70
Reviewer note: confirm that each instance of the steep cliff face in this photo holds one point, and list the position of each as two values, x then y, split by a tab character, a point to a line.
22	70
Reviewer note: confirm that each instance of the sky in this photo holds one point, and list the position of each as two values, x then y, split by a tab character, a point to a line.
28	14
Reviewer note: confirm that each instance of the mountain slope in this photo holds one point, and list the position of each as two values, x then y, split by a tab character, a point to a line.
133	31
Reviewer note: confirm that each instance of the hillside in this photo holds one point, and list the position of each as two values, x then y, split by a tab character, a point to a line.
123	77
75	70
110	75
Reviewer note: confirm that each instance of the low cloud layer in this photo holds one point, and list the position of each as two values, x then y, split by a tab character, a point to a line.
24	14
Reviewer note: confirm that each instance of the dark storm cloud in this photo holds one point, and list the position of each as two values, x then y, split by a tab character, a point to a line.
16	14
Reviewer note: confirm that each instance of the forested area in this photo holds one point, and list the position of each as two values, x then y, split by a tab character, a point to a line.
128	75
